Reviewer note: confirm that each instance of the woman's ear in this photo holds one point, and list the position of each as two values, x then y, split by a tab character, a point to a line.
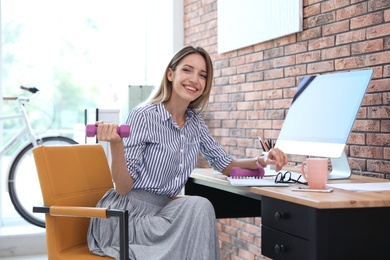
170	73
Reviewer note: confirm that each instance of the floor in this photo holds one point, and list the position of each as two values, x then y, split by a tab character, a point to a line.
37	257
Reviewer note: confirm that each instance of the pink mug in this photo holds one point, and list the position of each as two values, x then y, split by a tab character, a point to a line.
316	173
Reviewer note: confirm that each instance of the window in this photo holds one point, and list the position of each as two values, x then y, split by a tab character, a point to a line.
82	54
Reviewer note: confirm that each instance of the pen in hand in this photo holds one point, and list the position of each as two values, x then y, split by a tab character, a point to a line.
263	145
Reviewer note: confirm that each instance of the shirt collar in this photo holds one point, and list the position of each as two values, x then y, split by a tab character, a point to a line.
165	115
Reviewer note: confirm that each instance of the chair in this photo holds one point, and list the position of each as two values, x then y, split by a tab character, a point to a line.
73	179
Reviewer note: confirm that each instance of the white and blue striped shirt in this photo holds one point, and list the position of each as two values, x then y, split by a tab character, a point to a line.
160	156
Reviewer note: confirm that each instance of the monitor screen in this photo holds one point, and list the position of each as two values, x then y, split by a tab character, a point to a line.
322	114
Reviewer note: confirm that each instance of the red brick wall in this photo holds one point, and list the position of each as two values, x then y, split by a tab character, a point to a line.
253	87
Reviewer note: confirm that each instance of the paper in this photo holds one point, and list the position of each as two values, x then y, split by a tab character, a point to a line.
375	186
255	182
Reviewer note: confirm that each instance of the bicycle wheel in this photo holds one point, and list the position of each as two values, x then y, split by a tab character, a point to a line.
23	184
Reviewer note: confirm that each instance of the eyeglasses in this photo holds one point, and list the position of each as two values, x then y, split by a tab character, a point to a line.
286	178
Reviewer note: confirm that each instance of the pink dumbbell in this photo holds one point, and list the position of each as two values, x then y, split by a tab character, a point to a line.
123	130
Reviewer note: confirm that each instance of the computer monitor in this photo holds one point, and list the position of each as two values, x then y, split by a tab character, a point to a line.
321	117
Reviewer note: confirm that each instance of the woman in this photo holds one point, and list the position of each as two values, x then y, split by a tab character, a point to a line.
151	167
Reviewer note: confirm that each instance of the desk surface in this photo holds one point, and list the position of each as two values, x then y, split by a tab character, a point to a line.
337	199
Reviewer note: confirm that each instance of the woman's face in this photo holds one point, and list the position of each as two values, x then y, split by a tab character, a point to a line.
189	78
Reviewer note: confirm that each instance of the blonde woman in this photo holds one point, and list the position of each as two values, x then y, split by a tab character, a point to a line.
152	166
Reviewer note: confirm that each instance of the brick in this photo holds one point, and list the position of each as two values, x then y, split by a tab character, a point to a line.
351	36
221	81
321	19
285	40
386	98
284	61
379	112
319	67
245	87
248	237
380	166
246	105
308	57
378	139
311	10
228	71
284	83
255	76
246	50
350	63
372	99
312	33
334	28
295	48
386	15
253	57
355	138
265	84
245	68
324	42
379	85
273	53
237	79
378	31
386	154
386	71
263	65
366	126
235	61
273	74
385	126
336	52
351	11
327	6
295	70
367	46
245	254
378	5
367	20
366	152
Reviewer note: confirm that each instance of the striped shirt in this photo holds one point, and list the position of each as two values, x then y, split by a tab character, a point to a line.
160	156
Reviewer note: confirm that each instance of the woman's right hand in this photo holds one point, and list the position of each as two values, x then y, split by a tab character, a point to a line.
107	132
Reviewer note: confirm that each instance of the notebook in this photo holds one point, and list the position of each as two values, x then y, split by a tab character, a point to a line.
258	182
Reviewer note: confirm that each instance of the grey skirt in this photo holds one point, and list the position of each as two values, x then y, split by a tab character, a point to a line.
159	228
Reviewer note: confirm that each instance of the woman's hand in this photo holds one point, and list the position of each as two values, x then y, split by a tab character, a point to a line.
276	157
107	132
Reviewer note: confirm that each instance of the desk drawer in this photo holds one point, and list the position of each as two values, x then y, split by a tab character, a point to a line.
285	216
279	245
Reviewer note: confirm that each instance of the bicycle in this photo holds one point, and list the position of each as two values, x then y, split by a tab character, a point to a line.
23	185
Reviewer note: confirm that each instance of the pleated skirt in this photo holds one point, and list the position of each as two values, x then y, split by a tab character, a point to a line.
159	228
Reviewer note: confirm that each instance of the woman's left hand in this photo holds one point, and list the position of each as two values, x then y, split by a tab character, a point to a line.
276	157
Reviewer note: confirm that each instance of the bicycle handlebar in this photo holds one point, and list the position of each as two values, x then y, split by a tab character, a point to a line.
32	89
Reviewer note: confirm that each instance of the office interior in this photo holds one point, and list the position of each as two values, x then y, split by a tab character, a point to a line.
255	83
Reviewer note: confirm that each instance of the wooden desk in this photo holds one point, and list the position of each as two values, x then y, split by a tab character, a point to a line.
303	225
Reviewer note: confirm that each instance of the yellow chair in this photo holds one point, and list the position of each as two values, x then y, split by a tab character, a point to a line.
73	179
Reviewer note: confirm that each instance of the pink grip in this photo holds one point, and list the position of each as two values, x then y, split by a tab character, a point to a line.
123	130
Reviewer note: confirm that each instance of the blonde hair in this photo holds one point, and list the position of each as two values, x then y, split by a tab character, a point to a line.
164	92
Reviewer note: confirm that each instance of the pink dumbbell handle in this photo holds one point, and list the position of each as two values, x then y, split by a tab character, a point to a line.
122	130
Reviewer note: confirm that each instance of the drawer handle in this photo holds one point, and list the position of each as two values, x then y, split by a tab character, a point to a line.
279	249
279	215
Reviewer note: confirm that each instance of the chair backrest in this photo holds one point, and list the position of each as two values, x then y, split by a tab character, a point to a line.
75	175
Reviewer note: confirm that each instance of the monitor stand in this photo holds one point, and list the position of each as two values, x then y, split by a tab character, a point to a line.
340	168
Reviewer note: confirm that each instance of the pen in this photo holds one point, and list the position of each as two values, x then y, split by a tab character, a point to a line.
263	145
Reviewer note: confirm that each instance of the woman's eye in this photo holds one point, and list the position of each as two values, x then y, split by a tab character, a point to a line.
203	76
186	70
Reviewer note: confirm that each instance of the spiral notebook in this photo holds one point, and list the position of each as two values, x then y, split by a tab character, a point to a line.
258	182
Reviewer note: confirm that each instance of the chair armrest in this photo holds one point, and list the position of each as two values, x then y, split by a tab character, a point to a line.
91	212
